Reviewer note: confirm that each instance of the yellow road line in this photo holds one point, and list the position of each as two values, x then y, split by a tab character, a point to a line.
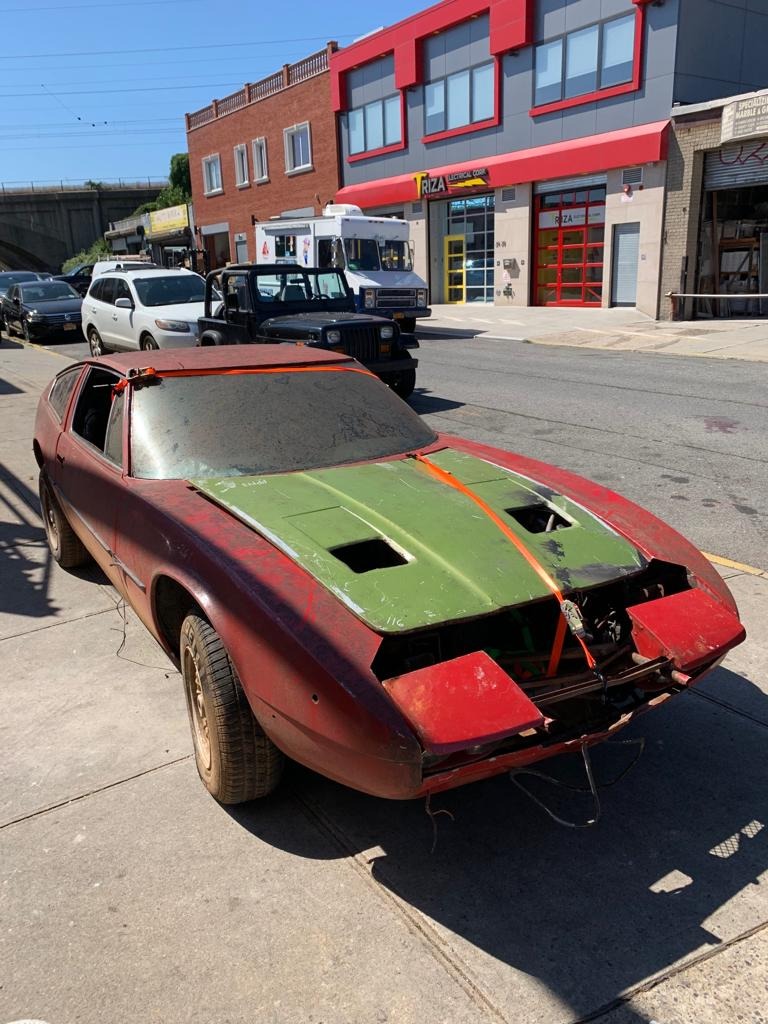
728	563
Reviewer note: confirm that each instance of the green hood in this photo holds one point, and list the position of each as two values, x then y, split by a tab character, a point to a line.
435	557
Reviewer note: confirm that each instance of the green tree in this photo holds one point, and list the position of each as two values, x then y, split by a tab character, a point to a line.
178	190
97	251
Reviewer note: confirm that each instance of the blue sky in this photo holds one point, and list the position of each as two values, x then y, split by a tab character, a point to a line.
99	88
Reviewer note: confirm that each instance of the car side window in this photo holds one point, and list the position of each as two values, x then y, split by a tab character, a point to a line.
122	291
237	285
62	389
94	406
107	293
113	445
94	291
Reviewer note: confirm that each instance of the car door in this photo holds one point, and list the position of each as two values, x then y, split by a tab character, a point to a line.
13	308
123	331
238	307
105	308
85	475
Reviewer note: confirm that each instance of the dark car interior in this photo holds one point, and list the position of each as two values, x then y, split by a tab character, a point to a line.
93	407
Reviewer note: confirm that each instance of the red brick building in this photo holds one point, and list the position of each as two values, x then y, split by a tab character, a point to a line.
268	148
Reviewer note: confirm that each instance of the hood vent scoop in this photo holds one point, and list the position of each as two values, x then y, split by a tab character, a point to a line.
538	519
366	555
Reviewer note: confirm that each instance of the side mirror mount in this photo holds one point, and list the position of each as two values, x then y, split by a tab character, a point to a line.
123	303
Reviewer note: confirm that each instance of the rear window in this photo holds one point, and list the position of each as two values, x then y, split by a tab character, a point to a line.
62	389
244	424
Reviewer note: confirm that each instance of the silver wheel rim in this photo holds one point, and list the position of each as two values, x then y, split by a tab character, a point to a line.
49	518
196	704
95	341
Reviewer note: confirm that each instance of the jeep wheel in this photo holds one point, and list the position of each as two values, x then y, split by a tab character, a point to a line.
402	383
235	759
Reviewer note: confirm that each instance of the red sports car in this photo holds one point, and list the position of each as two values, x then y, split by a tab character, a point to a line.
399	610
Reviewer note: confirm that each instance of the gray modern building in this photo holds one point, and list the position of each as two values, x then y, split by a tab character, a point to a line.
526	141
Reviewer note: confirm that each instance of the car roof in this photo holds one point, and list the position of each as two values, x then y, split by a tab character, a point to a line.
133	273
224	357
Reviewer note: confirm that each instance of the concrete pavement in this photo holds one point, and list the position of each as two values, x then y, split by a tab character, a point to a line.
127	894
619	330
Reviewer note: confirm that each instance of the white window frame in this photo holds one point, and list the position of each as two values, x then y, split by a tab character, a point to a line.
241	150
261	144
288	134
208	160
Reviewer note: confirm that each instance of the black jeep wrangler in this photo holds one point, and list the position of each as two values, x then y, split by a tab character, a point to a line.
284	302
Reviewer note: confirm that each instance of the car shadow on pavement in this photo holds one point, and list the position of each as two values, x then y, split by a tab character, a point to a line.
592	913
423	401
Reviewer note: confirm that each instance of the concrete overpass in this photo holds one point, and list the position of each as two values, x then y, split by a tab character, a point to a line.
42	227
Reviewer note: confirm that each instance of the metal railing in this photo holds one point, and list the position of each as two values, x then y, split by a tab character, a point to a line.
75	185
674	298
253	92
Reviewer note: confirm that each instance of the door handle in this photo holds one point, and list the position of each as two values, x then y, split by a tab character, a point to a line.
114	318
60	458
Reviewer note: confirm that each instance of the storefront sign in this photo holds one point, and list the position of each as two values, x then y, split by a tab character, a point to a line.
571	218
745	119
174	218
442	184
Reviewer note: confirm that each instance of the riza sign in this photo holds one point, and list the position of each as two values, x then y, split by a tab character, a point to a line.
441	184
745	119
575	218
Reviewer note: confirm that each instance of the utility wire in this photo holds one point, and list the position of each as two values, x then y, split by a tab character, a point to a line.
169	49
93	7
147	88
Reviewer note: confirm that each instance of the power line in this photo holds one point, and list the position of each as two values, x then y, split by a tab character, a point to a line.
92	7
145	88
169	49
153	63
113	80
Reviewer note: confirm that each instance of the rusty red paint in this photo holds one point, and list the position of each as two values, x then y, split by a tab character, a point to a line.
690	628
467	701
304	659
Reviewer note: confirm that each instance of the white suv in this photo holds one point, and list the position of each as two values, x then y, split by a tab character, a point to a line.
148	308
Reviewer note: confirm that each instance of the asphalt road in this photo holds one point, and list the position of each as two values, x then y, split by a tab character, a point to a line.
685	437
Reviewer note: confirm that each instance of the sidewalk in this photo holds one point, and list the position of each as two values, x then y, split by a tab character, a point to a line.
128	895
615	329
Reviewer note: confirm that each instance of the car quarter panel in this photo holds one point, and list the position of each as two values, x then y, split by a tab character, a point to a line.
303	659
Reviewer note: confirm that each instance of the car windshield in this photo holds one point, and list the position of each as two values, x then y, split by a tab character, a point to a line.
253	423
169	289
9	279
47	291
362	254
295	286
395	256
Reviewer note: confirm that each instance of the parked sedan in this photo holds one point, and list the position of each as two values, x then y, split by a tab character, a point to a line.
143	308
8	278
41	310
401	611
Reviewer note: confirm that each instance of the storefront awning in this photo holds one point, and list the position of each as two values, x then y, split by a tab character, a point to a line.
628	147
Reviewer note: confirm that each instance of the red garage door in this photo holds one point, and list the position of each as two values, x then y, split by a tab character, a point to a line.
569	244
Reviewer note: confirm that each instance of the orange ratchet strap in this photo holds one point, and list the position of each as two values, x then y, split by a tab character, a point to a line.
565	619
143	374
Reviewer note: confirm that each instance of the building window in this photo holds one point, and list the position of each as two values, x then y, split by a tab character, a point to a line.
260	169
212	174
375	125
241	165
585	61
298	148
464	98
285	247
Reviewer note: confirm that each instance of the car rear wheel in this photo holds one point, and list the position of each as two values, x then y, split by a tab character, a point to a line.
96	345
235	759
148	343
65	546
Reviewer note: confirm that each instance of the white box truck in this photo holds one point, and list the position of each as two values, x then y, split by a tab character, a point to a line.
375	254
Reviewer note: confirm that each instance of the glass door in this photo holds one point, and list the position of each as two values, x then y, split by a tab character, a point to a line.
455	286
570	239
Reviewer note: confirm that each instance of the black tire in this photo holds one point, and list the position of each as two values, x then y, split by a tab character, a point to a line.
402	383
407	325
65	546
96	345
148	343
235	759
25	331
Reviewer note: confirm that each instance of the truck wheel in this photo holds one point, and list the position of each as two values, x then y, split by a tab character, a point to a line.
402	383
235	760
65	546
213	338
407	325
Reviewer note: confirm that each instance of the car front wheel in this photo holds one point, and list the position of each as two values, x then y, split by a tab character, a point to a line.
235	759
148	343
